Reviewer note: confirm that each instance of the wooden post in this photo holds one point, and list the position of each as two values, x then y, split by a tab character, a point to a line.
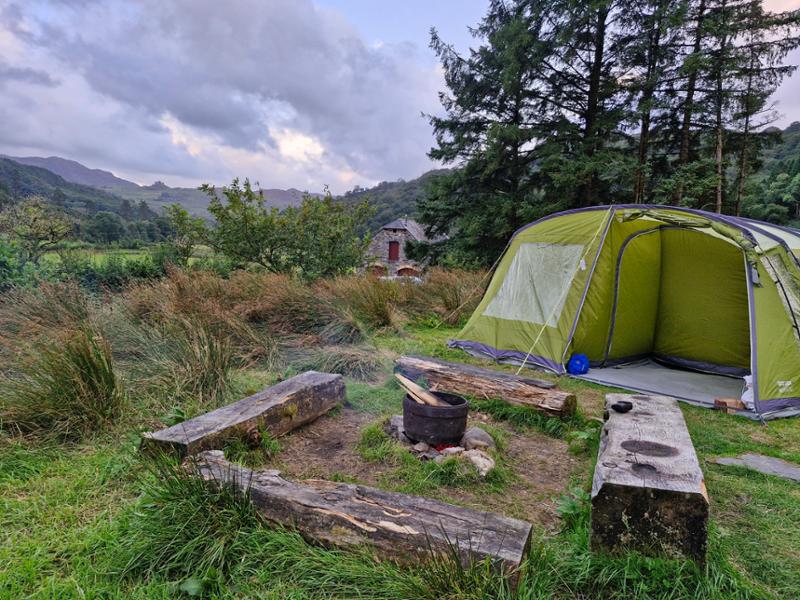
277	410
473	381
399	527
648	492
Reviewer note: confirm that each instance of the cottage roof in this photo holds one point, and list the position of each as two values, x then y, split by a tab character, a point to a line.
416	230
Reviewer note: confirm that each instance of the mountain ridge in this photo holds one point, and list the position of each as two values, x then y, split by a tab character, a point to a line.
157	195
75	172
390	199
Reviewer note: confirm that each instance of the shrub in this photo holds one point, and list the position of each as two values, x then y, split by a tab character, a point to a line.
11	265
113	273
68	387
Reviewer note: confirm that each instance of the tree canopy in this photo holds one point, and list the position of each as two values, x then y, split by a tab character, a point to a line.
567	104
319	238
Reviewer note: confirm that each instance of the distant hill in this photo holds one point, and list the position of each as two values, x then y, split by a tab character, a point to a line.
783	156
392	199
773	191
19	181
75	172
157	195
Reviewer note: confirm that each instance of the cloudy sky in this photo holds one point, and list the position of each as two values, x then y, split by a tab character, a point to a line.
292	93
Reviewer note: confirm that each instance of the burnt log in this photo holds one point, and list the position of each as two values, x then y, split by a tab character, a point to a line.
275	410
396	526
648	492
474	381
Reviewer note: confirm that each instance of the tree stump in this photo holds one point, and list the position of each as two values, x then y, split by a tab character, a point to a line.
473	381
648	492
276	410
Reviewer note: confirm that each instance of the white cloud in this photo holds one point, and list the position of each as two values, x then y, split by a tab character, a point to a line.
294	145
164	89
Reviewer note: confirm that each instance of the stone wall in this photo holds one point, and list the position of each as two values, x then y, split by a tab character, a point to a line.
378	252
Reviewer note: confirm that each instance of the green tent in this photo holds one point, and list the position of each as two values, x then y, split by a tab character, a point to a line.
661	299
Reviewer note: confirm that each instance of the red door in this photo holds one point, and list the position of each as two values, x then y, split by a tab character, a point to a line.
394	251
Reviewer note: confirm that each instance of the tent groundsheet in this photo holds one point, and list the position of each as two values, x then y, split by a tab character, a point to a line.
650	377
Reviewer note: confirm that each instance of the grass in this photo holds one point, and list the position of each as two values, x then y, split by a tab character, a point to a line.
67	387
427	478
82	517
252	453
359	362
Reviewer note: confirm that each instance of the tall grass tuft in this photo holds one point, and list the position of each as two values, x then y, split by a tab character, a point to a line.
185	526
207	536
28	313
565	567
313	310
195	362
358	362
524	417
451	295
67	387
375	302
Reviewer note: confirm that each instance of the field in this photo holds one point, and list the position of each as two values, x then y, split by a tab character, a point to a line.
99	257
82	515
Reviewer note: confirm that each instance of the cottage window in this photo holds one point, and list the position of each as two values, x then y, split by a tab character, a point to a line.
394	251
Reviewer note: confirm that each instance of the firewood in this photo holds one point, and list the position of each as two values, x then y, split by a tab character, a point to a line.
729	405
419	393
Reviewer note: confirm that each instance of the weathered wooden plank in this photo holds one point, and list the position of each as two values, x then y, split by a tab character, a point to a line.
486	383
648	491
277	410
398	526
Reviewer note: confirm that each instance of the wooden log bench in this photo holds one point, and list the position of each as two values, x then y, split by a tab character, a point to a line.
276	410
648	492
474	381
399	527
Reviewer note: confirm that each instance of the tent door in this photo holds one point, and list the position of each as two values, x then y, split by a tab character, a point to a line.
637	286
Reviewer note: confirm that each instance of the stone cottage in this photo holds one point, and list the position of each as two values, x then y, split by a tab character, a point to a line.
387	254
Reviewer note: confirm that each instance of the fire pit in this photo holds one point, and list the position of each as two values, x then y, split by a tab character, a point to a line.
435	424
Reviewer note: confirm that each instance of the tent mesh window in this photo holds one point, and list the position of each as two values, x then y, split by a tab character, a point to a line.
534	286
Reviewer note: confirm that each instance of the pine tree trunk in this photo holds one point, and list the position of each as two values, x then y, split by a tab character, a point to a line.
647	96
719	125
743	157
720	170
644	141
593	100
688	106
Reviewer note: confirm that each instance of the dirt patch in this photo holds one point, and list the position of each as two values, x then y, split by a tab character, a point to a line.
327	448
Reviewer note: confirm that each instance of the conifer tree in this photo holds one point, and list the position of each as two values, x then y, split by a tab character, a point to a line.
494	116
